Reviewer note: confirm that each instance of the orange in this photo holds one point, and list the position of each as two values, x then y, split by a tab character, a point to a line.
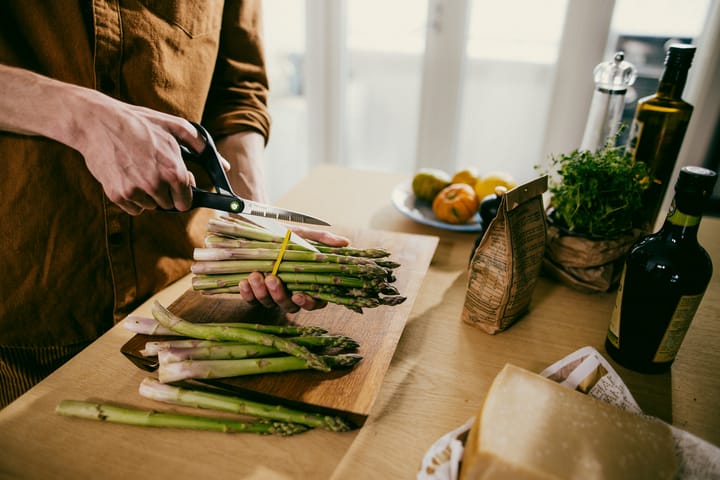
468	176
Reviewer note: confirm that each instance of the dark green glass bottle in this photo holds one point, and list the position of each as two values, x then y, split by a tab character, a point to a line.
665	277
659	127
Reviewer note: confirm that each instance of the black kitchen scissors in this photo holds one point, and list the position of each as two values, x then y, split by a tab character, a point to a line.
224	198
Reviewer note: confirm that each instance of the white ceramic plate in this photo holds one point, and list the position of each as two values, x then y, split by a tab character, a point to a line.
405	201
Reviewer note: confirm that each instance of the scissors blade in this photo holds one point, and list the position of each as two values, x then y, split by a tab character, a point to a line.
262	210
278	230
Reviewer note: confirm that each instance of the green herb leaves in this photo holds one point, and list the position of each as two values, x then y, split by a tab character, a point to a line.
598	193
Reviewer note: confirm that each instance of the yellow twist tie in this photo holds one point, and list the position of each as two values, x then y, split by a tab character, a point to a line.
283	247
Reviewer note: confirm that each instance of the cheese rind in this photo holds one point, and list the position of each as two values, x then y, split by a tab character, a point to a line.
531	427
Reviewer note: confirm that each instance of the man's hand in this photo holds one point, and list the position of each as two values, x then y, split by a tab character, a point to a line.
133	152
269	291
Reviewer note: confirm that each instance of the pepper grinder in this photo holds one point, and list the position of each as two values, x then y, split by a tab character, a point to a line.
612	80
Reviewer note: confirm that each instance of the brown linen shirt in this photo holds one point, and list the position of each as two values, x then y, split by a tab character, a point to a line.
72	262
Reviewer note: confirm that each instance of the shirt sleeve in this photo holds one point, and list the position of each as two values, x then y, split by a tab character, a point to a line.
237	100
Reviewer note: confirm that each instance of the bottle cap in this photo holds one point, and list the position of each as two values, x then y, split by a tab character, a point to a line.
680	55
694	179
616	74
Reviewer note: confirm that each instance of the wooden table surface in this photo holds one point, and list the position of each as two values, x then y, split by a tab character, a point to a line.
436	380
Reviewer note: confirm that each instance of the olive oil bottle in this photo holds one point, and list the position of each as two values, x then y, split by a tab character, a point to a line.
658	129
665	277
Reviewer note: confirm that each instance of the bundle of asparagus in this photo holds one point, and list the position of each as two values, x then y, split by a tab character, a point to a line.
352	277
219	350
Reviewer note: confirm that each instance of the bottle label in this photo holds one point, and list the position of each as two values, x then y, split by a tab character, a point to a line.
613	334
678	327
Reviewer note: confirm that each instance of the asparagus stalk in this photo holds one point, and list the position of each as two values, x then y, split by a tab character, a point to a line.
247	266
230	351
358	302
152	348
219	290
216	254
203	369
354	303
283	330
344	291
215	352
228	280
219	241
197	330
313	341
146	326
207	281
149	418
155	390
150	326
236	229
222	241
389	264
341	342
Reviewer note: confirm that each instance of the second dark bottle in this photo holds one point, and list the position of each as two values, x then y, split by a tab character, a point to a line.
663	283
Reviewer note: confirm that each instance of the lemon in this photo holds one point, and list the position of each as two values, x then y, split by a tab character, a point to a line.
486	184
468	176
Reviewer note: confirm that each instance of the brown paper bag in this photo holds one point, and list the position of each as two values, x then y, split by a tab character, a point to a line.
507	262
586	264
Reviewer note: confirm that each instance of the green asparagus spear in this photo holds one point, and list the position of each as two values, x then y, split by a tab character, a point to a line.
218	254
204	282
230	351
281	330
150	326
195	347
149	418
236	229
220	241
202	369
360	302
155	390
215	352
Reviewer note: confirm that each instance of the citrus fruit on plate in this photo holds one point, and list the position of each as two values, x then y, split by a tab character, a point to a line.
486	184
468	176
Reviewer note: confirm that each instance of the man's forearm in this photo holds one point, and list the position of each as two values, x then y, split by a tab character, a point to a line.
245	151
36	105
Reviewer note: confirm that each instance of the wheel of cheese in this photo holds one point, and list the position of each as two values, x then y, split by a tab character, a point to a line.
530	427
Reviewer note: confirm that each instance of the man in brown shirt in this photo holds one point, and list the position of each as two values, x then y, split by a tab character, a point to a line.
96	97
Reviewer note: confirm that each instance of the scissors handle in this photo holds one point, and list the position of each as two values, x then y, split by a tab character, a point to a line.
209	160
217	201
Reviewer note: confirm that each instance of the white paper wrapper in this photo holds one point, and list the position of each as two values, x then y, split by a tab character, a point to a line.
697	459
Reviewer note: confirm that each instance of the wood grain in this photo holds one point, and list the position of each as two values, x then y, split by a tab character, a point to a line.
349	393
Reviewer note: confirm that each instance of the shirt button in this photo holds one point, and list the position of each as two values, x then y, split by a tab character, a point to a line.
107	84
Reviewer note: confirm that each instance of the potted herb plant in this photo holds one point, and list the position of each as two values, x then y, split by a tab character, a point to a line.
596	197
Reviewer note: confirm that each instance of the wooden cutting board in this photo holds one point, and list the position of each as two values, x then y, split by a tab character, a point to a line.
350	394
